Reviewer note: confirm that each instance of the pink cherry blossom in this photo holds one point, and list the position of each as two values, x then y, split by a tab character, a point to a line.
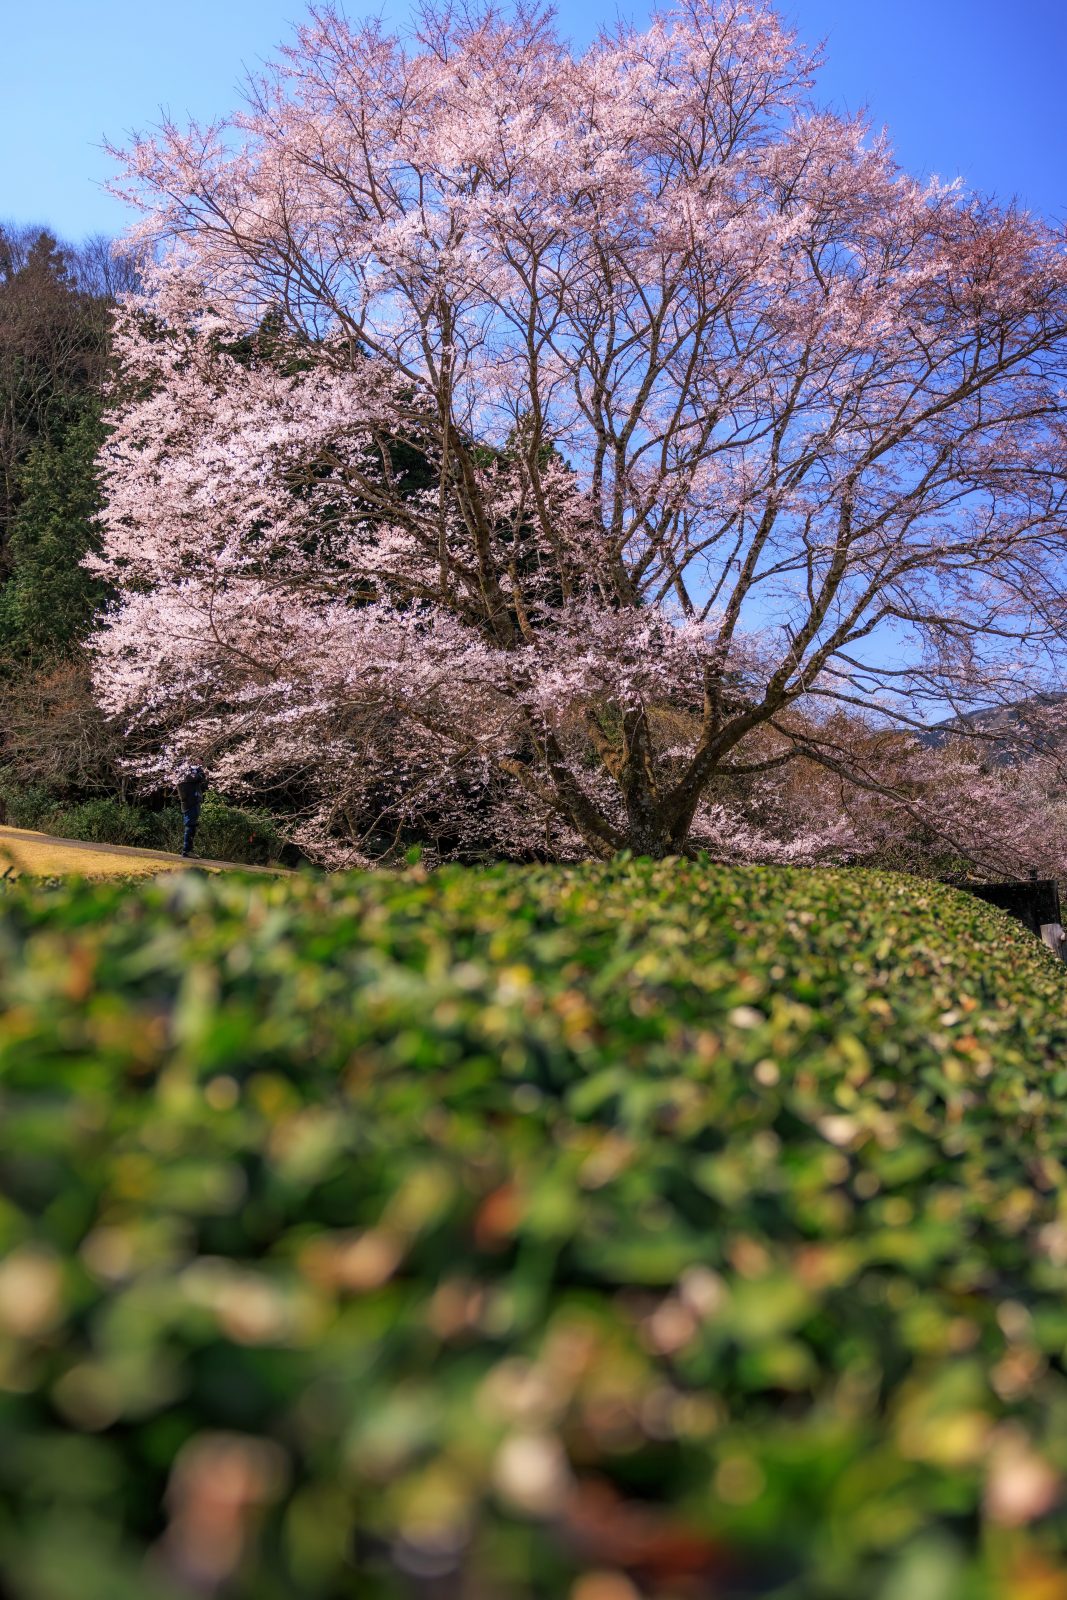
615	422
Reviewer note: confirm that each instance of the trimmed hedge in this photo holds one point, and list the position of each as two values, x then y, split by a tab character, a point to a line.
654	1230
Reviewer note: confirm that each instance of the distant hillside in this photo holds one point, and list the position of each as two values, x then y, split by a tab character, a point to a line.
1013	731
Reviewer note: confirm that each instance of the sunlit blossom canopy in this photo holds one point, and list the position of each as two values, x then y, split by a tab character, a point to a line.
549	436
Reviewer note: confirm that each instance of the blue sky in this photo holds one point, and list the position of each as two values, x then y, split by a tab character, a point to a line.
970	87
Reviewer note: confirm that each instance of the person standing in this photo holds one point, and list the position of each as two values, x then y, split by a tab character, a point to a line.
191	784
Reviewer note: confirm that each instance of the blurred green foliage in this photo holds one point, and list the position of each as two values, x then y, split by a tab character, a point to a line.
657	1230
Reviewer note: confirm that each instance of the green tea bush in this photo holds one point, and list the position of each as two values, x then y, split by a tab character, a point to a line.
639	1230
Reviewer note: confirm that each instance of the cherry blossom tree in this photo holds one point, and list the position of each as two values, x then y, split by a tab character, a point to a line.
543	444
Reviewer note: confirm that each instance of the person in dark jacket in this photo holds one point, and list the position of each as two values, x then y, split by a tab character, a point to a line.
191	784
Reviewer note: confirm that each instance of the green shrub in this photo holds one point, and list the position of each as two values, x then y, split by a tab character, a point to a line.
470	1234
107	821
230	833
24	805
226	832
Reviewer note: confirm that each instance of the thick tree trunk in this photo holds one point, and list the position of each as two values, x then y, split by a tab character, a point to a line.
647	827
647	837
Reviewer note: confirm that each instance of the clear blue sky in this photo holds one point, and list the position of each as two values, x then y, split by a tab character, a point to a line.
968	87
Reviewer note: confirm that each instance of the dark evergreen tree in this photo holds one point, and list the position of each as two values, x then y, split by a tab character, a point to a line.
47	603
55	337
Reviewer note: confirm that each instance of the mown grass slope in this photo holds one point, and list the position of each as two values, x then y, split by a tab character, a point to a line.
637	1230
24	851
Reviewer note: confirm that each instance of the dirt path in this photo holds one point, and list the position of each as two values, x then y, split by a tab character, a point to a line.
39	855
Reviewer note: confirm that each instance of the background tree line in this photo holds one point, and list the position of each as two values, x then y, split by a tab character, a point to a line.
60	760
55	339
55	346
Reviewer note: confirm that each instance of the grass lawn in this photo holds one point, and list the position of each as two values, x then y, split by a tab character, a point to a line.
39	855
659	1231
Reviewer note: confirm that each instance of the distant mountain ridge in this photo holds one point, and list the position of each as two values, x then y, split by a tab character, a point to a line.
1011	730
